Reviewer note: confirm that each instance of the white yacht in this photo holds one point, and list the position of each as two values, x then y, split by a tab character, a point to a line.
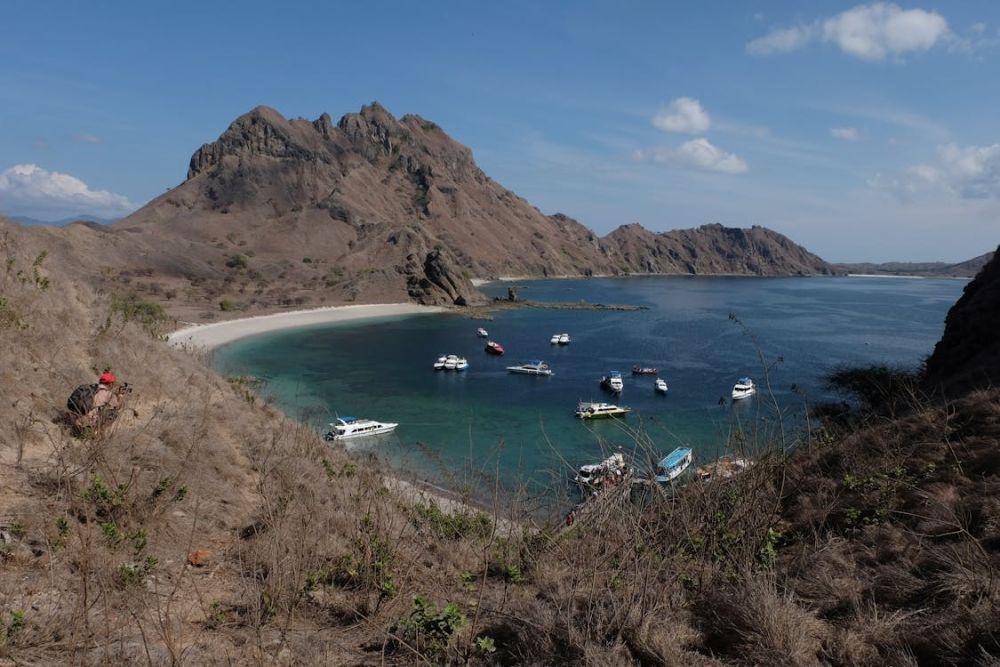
613	382
661	385
482	333
744	388
439	364
564	339
451	362
535	367
555	339
461	364
601	410
346	428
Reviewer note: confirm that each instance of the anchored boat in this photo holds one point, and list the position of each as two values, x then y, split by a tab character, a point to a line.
644	370
744	388
613	382
536	367
609	471
482	333
494	347
346	428
672	465
600	410
661	385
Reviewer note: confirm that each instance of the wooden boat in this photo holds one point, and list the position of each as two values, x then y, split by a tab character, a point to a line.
644	370
494	347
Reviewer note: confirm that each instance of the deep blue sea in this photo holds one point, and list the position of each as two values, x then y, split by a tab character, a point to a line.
524	426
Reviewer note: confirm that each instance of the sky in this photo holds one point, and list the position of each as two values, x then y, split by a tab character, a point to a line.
866	132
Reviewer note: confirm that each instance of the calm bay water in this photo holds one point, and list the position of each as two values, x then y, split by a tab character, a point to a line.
488	417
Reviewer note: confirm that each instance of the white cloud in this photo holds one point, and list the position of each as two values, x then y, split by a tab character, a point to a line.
698	154
27	189
845	133
86	139
968	172
870	32
684	114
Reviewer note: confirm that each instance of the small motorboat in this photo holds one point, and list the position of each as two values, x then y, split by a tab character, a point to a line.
613	382
611	470
439	364
555	339
744	388
451	362
725	467
535	367
345	428
494	347
564	339
600	410
661	385
461	364
672	465
644	370
482	333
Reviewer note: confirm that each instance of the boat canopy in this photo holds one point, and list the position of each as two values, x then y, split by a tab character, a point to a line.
744	381
614	374
675	458
347	420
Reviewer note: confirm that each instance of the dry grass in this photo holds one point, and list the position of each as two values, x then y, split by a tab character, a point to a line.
873	543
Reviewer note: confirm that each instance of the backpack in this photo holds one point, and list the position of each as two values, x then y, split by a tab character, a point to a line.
82	399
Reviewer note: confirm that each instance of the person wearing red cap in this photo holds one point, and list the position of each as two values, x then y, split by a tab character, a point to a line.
106	398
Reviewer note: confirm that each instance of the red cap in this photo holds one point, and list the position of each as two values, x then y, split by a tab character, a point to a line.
107	378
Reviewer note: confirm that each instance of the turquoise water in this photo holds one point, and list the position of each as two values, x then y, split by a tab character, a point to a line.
524	427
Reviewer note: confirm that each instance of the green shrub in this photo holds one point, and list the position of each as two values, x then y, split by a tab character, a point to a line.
428	630
238	262
149	314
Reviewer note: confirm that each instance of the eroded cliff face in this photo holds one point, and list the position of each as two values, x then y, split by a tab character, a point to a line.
968	354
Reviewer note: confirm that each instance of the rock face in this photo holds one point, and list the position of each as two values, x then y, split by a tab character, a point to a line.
711	249
968	354
375	208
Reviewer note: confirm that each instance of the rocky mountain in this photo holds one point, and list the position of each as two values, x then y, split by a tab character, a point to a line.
711	249
965	269
280	212
968	354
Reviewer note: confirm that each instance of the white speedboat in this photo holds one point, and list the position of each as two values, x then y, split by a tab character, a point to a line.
661	385
439	364
601	410
609	471
451	362
535	367
346	428
744	388
673	464
461	364
555	339
613	382
482	333
564	339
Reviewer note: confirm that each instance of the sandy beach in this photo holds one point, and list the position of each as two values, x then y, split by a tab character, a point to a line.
212	335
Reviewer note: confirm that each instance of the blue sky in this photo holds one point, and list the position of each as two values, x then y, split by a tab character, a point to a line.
865	132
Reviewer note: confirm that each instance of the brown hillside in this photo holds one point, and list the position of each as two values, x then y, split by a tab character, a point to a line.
968	354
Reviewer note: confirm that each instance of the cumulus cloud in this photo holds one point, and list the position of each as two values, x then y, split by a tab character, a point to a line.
684	114
845	133
27	189
969	172
870	32
698	154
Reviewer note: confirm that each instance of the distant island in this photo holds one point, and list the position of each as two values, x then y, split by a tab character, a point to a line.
966	269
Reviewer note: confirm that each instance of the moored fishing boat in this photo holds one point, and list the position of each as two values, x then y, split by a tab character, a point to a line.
535	367
588	410
346	428
673	465
744	388
611	470
613	382
494	347
644	370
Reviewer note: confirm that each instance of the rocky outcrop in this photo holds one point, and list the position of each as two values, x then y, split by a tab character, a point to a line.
436	280
968	354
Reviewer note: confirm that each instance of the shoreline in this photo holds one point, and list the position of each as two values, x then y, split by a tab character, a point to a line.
211	335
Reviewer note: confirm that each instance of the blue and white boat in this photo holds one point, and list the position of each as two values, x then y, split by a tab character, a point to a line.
672	465
744	388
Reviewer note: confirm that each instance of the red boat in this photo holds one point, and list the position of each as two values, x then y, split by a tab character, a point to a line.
639	370
494	348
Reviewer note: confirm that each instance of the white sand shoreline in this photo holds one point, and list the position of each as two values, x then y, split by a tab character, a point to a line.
211	335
